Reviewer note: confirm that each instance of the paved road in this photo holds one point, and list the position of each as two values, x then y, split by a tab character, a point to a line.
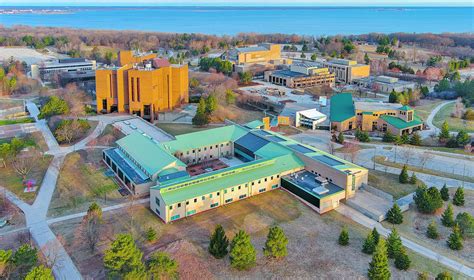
369	223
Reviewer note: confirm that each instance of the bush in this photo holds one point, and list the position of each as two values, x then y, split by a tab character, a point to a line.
444	276
362	136
162	266
150	234
344	237
389	137
379	268
447	219
462	138
452	142
413	179
70	130
123	256
469	115
394	244
415	139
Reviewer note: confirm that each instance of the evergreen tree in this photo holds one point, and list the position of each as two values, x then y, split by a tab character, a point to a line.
201	117
369	244
5	257
458	198
340	138
466	224
344	237
435	200
219	243
444	133
423	276
444	276
242	253
462	138
405	138
403	177
402	260
452	142
455	239
40	273
394	215
447	219
123	256
375	235
150	234
25	258
366	58
415	139
388	137
379	267
444	193
393	97
313	57
413	179
162	266
394	244
211	103
432	231
275	246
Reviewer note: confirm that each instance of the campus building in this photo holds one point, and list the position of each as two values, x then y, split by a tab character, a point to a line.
49	69
142	85
385	84
301	75
248	58
345	114
203	170
346	70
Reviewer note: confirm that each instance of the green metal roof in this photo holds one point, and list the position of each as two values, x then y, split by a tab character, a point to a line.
399	123
189	141
204	187
148	153
405	108
254	124
342	107
367	113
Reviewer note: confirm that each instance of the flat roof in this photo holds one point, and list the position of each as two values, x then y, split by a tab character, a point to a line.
129	168
342	107
307	182
376	106
288	74
252	49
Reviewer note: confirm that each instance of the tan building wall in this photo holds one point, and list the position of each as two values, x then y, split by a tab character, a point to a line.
274	53
129	57
205	153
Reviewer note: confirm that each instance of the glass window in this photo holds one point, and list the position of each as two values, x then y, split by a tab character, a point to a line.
179	205
195	200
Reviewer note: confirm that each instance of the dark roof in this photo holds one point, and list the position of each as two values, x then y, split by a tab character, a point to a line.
251	142
71	60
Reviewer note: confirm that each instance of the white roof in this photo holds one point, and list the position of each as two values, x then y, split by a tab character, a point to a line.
376	106
312	114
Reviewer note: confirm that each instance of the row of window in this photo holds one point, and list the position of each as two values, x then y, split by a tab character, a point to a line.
205	149
205	158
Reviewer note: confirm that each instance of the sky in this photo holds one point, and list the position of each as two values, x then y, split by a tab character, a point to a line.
237	2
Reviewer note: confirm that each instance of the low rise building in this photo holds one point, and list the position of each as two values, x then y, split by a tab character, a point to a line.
144	86
203	170
388	84
49	69
346	70
345	114
301	75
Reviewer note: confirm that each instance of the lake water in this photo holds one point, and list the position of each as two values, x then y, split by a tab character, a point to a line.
232	20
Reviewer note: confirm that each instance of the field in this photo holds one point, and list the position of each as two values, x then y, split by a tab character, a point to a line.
178	128
426	106
312	247
236	114
415	224
388	183
81	181
455	124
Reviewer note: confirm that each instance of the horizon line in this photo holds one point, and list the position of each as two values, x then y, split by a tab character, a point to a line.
430	5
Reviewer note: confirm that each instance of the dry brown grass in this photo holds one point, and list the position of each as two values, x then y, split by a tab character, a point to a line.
236	114
313	249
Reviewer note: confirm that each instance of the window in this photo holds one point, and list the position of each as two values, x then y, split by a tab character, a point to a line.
242	196
210	196
261	190
203	198
195	200
225	191
271	178
265	179
253	183
171	207
157	211
239	188
174	217
228	200
259	181
275	186
157	200
218	193
278	176
194	151
191	212
214	205
179	205
187	202
232	189
205	148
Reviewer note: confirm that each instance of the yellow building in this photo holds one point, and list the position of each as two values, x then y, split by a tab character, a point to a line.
347	70
141	85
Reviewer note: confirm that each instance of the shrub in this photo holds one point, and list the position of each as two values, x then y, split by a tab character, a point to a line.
54	106
394	244
413	179
150	234
40	273
469	115
402	261
362	136
379	267
123	256
462	138
444	276
452	142
344	237
388	137
427	200
415	139
340	138
162	266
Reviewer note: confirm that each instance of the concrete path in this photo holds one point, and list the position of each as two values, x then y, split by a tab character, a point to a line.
433	130
369	223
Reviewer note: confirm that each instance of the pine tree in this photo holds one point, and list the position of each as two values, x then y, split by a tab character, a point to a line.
444	133
447	219
394	244
344	237
219	243
415	139
375	235
466	224
413	179
340	138
150	234
123	256
444	192
403	177
161	266
388	137
458	198
402	260
444	276
405	138
455	239
379	266
462	138
40	273
394	215
432	231
369	244
275	246
242	253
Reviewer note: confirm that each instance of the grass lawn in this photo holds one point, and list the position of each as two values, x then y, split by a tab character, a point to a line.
312	247
177	129
381	160
13	182
425	108
415	224
17	121
6	103
82	181
388	183
455	124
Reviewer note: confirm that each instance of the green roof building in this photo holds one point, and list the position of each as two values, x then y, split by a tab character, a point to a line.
199	171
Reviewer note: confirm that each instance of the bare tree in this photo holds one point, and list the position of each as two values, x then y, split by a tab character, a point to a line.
352	149
25	161
424	158
406	153
331	147
91	225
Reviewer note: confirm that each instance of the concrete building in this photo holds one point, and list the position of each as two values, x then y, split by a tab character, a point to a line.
301	75
305	114
388	84
203	170
49	69
345	114
144	85
346	71
258	57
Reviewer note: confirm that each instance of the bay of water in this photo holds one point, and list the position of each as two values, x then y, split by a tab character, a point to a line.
232	20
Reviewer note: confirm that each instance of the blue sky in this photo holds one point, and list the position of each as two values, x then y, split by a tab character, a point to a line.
240	2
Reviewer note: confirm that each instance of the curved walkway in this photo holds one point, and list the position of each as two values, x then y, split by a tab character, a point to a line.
429	121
